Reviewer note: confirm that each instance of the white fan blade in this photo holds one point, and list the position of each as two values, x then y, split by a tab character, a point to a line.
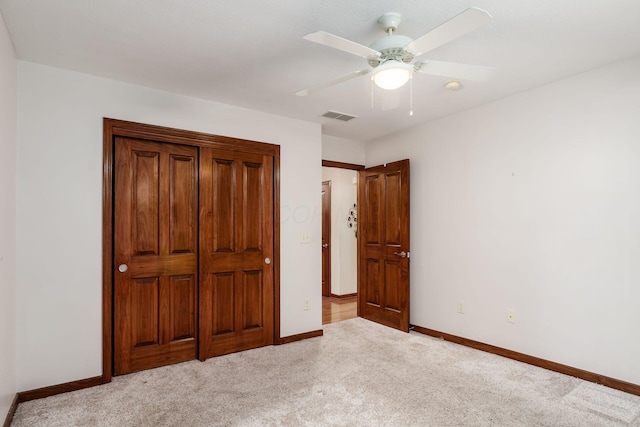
339	43
476	73
455	27
351	75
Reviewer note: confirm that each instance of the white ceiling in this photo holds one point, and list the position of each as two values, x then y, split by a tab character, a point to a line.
250	53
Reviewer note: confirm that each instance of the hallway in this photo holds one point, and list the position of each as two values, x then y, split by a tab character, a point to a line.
338	309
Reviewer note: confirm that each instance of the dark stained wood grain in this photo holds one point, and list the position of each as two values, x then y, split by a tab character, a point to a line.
326	238
342	165
184	205
180	237
276	244
223	182
300	337
383	233
107	250
145	182
40	393
186	137
155	205
184	298
344	295
236	284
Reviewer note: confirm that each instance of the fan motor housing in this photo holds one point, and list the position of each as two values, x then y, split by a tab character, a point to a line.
391	47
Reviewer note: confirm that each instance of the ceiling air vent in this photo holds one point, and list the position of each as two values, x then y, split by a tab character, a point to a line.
338	116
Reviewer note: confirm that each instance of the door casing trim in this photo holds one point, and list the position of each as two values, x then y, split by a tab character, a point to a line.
328	226
114	128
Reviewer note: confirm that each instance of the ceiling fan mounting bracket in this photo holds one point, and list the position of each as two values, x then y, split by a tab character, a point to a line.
390	21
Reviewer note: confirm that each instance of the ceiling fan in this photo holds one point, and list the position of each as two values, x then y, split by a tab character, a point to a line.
391	56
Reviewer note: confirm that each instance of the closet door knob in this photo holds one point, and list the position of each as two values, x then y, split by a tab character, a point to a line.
122	268
267	261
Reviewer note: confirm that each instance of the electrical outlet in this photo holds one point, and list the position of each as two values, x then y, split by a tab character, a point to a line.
511	316
460	307
307	305
305	237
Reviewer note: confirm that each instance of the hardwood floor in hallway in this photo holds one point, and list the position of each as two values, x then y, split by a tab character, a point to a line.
338	309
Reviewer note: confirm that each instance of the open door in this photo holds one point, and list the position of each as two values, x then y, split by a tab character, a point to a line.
383	244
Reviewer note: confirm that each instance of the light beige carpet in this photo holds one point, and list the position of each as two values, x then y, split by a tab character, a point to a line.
358	374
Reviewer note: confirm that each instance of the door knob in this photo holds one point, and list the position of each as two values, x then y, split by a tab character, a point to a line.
267	260
122	268
402	254
325	245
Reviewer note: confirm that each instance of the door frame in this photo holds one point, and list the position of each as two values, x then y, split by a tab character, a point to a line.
113	128
350	166
326	222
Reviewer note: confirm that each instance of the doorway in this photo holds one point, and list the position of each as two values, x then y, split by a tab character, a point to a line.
339	225
190	246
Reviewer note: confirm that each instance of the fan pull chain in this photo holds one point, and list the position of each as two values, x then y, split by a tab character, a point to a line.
411	96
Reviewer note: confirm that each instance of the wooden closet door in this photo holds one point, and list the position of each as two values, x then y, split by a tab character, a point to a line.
236	251
155	254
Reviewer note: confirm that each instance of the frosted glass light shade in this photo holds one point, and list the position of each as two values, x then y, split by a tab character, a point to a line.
392	75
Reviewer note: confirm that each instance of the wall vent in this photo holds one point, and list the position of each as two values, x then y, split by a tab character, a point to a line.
338	116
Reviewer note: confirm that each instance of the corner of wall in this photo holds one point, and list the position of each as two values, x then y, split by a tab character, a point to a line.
343	150
8	157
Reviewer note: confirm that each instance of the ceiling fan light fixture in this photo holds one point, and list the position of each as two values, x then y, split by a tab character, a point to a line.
392	75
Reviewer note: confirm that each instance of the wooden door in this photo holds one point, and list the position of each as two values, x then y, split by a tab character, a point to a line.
326	238
236	251
383	244
155	254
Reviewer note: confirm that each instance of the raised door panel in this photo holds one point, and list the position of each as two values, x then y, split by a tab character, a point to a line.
392	209
252	207
392	294
252	303
373	205
146	209
183	204
222	181
222	298
145	309
372	282
182	303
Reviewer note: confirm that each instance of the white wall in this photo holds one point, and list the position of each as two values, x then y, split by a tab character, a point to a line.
8	142
60	209
344	194
532	203
343	150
